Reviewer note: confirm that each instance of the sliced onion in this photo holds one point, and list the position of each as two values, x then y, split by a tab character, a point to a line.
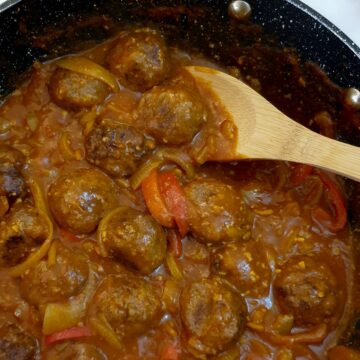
160	158
32	121
171	295
144	171
313	335
4	205
87	67
101	326
64	315
34	258
88	121
59	317
65	148
178	157
173	267
232	354
101	231
52	254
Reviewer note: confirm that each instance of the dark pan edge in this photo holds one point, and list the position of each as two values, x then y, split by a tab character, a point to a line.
8	4
328	24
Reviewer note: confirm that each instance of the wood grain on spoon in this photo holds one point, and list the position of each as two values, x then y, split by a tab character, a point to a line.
264	132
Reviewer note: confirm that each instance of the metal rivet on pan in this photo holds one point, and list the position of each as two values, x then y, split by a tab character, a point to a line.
239	9
353	97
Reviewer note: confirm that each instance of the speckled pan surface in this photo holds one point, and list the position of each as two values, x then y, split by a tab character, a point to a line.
290	21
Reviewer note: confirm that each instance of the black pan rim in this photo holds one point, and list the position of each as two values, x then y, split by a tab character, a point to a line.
297	3
327	24
7	4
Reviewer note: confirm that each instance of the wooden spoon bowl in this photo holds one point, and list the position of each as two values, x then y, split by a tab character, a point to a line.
264	132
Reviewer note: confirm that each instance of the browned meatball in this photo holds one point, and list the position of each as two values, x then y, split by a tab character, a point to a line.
213	316
16	343
130	304
245	266
216	211
172	114
72	90
12	184
307	289
80	198
57	282
140	59
21	230
78	351
116	148
136	239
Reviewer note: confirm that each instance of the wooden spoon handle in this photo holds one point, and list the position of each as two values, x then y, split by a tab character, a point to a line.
329	154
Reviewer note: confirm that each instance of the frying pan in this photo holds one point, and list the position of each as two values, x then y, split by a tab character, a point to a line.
44	29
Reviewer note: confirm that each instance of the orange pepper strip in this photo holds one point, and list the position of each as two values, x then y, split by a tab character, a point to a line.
154	201
175	201
337	222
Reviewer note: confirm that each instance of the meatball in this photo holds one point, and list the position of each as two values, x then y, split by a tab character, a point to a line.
57	282
80	198
73	91
130	304
307	288
213	316
21	230
76	351
173	114
12	184
245	266
15	343
215	210
140	59
135	238
116	148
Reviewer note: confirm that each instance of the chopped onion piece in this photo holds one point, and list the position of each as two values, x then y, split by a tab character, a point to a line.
173	267
34	258
101	326
87	67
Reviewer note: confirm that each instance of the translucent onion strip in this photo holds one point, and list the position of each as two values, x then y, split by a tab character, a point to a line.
160	158
101	231
63	315
65	148
87	121
87	67
34	258
101	326
4	205
173	267
52	254
144	171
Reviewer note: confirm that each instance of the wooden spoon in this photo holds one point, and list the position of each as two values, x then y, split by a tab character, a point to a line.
264	132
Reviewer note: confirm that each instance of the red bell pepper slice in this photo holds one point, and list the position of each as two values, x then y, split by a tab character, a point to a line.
71	333
170	352
68	236
336	221
300	173
154	200
175	201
